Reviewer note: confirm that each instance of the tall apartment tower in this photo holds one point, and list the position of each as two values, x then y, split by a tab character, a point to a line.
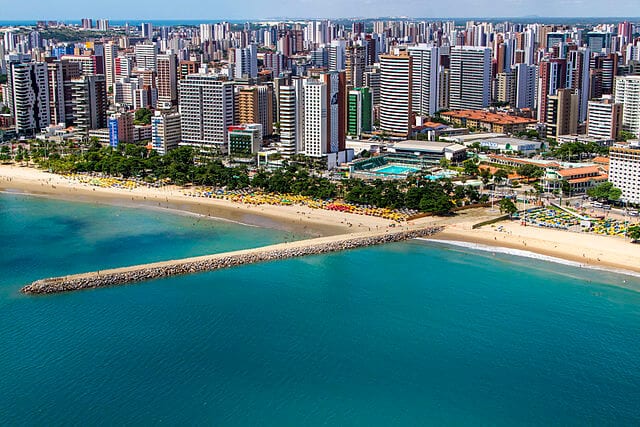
89	94
165	131
355	62
246	61
578	78
291	117
337	55
604	119
255	105
359	111
395	93
315	118
146	56
424	91
627	93
167	81
55	82
206	109
29	87
552	75
110	55
147	30
526	80
470	78
562	113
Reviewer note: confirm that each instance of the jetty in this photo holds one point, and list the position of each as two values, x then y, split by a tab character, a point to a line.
157	270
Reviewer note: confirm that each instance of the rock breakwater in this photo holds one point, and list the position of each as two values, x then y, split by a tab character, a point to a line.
144	272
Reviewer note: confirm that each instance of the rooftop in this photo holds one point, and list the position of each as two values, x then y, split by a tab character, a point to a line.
485	116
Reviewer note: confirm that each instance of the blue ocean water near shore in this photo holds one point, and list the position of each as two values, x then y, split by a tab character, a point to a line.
415	333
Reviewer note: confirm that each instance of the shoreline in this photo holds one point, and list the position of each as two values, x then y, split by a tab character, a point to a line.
294	218
613	254
604	253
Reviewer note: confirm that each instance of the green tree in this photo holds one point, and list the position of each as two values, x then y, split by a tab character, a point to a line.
500	176
507	206
633	233
626	135
445	163
142	116
485	176
530	171
470	167
605	191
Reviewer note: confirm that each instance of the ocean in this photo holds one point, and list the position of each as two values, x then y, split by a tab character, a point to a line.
413	333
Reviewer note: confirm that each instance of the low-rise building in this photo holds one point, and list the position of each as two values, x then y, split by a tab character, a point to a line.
489	122
432	149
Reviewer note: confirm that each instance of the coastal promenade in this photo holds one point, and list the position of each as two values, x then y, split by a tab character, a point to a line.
139	273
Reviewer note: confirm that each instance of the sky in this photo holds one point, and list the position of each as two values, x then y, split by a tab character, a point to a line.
259	9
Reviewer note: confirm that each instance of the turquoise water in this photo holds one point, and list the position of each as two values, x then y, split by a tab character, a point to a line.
395	170
413	333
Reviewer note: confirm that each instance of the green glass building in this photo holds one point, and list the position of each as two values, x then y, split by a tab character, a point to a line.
359	110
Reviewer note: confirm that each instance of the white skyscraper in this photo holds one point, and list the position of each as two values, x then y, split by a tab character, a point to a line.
627	93
146	56
206	32
315	118
246	62
395	94
206	109
424	91
470	78
165	131
110	55
526	79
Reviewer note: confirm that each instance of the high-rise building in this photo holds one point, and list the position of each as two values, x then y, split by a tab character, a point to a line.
167	81
315	118
604	119
165	131
206	33
355	62
110	55
425	67
578	78
146	56
29	87
552	75
291	117
359	111
255	105
609	66
624	171
526	79
562	113
90	103
337	55
470	78
206	109
395	93
627	93
88	63
146	29
56	91
246	62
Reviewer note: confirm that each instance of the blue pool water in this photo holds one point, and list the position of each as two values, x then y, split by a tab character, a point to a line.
395	170
412	333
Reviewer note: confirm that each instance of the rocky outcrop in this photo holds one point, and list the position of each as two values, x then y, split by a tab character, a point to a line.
139	273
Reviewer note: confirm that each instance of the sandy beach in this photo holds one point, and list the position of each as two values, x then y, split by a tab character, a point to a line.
294	218
608	252
603	251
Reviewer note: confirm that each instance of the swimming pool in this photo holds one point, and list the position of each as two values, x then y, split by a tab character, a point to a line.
396	170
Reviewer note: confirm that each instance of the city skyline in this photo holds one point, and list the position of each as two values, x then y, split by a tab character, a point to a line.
306	9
